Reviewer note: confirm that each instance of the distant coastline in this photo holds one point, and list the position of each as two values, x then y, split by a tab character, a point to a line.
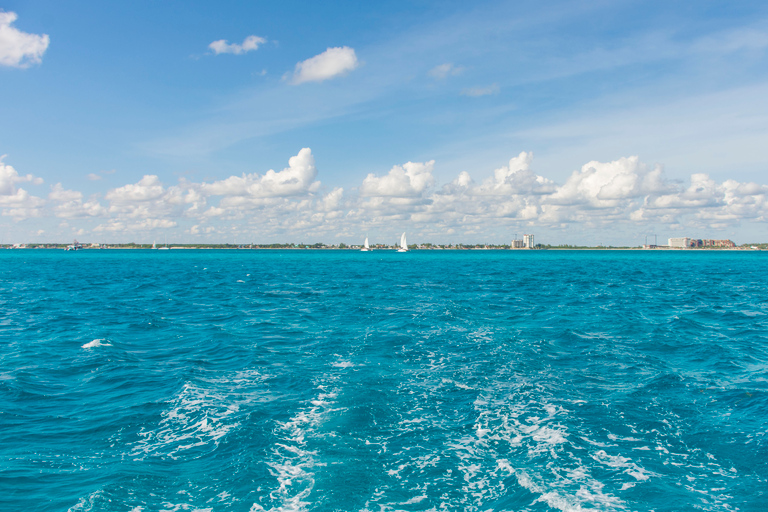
377	247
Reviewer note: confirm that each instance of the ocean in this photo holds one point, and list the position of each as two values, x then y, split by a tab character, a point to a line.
330	380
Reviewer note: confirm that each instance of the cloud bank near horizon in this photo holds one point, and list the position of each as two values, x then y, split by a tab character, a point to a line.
622	194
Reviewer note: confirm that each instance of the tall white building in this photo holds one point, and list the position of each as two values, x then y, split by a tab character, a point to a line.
528	241
517	244
681	242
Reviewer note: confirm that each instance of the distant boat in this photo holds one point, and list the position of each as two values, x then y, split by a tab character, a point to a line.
403	244
154	246
366	247
75	246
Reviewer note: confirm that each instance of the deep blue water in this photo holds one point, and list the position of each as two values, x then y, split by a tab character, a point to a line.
340	380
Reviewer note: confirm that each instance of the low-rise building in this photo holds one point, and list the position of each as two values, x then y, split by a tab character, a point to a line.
716	243
680	242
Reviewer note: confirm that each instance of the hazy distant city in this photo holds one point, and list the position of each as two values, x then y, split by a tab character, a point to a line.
527	242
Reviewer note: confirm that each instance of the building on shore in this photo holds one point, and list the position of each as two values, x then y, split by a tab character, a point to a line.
525	243
680	243
691	243
528	241
715	243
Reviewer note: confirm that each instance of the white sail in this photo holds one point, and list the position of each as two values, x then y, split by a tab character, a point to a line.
403	244
366	247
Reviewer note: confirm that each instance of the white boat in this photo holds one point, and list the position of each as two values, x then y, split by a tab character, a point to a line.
366	247
154	246
403	244
75	246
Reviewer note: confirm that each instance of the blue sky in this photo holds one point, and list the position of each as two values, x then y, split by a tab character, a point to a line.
123	122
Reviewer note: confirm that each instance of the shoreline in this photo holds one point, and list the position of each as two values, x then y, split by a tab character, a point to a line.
62	247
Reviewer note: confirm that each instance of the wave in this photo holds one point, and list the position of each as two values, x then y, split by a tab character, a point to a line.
101	342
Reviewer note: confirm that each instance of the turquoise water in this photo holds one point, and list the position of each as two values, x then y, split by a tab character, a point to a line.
340	380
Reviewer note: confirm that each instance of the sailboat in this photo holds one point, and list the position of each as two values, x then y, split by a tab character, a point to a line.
403	244
366	247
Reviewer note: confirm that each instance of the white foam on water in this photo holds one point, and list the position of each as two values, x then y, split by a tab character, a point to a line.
535	432
457	384
293	462
171	507
623	463
87	503
197	417
100	342
413	501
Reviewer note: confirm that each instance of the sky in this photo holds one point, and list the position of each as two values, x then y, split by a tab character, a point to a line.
586	122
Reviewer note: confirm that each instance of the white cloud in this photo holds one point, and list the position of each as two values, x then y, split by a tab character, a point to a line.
19	49
605	184
601	194
445	70
148	188
152	224
71	204
620	196
296	179
58	193
94	177
250	43
329	64
148	204
332	200
517	178
408	180
17	202
112	225
197	229
9	177
481	91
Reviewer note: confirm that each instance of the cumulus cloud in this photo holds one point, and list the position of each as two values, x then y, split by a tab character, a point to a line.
70	204
408	180
148	204
443	71
9	177
516	178
17	202
601	195
606	184
19	49
331	63
249	44
296	179
598	195
481	91
149	187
